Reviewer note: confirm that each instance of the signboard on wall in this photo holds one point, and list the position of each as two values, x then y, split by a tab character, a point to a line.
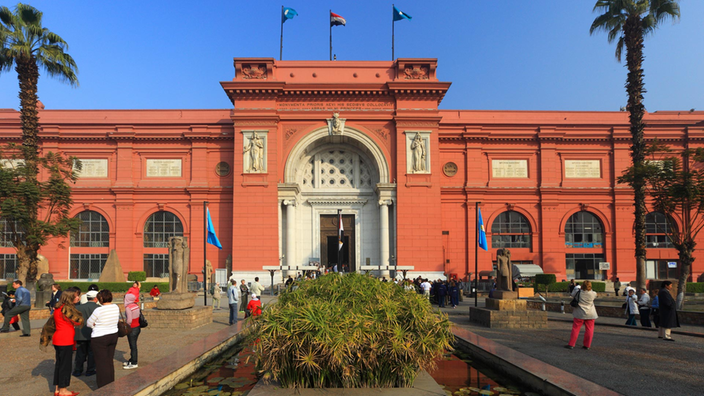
509	169
604	265
97	168
163	168
584	169
672	264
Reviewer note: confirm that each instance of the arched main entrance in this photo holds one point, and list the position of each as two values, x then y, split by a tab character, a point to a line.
327	175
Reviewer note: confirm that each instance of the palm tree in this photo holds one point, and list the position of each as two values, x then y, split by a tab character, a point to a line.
630	21
27	45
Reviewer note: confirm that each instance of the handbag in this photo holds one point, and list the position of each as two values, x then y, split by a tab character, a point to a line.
575	300
142	320
123	328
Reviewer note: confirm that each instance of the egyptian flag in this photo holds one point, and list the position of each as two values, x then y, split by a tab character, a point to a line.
340	230
336	20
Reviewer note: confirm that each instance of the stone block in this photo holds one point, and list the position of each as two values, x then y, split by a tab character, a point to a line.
187	319
176	301
505	295
508	319
506	305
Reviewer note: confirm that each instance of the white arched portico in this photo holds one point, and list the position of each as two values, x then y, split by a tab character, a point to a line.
325	173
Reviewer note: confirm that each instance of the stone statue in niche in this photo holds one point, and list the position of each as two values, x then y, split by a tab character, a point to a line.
255	149
336	125
179	253
504	278
418	150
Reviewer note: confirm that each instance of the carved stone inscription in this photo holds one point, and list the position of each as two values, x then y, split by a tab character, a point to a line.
582	169
163	168
515	169
95	168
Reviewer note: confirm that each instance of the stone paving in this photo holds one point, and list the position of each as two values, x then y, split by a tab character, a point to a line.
27	371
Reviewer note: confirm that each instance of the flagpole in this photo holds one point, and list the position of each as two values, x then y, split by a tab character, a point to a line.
393	24
281	46
476	254
205	248
330	35
339	248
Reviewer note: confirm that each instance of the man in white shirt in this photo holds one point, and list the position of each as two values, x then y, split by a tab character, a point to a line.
257	287
644	308
426	286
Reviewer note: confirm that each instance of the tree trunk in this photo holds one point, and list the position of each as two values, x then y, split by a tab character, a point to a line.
686	260
28	76
27	268
633	32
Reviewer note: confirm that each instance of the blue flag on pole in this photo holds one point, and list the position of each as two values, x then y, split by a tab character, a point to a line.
212	238
482	231
288	13
399	15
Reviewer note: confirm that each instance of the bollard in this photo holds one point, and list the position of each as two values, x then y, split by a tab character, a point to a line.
562	307
543	306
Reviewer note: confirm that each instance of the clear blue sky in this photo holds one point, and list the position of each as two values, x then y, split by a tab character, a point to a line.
500	54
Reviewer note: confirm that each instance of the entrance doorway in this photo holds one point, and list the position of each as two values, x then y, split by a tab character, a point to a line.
329	243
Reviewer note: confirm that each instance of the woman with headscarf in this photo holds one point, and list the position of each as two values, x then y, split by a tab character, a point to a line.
254	307
66	316
132	313
668	311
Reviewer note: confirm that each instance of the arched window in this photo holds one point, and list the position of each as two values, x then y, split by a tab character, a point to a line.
657	229
510	230
583	230
157	230
160	227
89	246
93	231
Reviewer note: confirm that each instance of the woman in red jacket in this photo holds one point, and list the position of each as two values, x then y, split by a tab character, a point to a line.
66	316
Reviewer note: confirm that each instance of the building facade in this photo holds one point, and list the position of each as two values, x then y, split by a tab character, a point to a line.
305	140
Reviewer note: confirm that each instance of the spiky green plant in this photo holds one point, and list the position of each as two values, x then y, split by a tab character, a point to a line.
348	331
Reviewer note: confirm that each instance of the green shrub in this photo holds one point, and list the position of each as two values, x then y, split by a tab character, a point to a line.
115	287
136	276
348	331
542	281
695	287
599	287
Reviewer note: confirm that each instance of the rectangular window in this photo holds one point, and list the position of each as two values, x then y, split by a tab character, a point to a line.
156	265
87	266
8	266
584	266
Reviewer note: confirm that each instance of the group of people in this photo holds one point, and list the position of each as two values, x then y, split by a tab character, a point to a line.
662	307
239	297
88	324
439	292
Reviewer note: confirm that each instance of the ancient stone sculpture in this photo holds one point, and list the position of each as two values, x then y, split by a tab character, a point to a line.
255	148
336	125
418	149
504	278
178	264
45	281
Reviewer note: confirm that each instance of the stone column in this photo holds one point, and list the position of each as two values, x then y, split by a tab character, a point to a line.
290	259
384	237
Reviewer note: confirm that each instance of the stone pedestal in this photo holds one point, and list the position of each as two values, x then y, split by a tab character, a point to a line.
508	313
505	295
176	301
184	319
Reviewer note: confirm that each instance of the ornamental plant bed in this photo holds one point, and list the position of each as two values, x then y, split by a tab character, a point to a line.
348	331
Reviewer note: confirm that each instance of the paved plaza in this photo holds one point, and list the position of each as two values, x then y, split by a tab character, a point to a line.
631	361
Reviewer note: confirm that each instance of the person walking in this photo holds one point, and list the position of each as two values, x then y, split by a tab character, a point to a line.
233	296
7	304
66	316
23	303
83	336
441	293
631	307
583	314
668	311
617	286
644	308
132	319
103	340
244	295
215	291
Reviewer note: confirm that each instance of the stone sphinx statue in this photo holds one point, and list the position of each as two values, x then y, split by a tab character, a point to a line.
179	253
504	278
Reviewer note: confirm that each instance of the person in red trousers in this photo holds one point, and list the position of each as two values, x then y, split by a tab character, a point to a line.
585	314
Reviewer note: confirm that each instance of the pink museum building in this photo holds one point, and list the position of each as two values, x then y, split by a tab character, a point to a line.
306	139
